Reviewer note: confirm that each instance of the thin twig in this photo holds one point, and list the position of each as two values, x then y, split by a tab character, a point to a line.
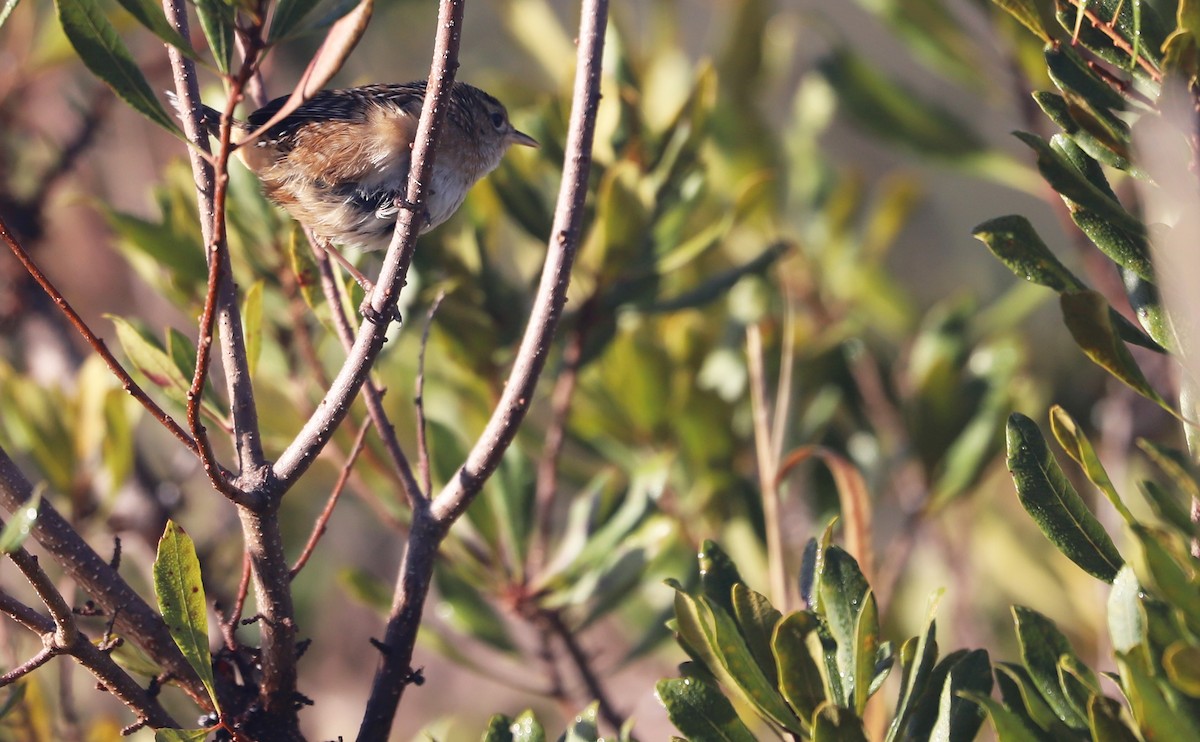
419	399
372	394
768	467
583	665
98	345
338	486
546	488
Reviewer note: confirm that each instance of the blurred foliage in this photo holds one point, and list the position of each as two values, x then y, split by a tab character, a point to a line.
710	214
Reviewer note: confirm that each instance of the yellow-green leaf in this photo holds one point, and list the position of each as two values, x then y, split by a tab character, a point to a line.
180	592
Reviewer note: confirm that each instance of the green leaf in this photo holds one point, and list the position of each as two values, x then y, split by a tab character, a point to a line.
526	728
1075	442
895	113
288	15
1021	695
1182	663
180	592
1175	464
252	317
497	729
367	589
149	357
756	618
1089	320
1168	506
1105	722
1070	73
918	657
700	711
1014	241
150	14
836	724
718	574
467	611
866	651
1103	137
1068	182
103	52
20	523
217	22
1010	727
1026	12
1042	644
843	594
1146	303
959	719
181	735
799	673
1055	506
1174	582
583	728
713	637
1154	705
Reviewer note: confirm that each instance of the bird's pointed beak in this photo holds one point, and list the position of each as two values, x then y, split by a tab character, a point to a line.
520	137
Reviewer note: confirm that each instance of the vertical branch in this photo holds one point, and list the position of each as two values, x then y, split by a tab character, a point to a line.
244	412
768	468
430	525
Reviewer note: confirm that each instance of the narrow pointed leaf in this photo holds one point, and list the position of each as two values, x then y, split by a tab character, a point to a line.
1078	447
150	14
756	617
1009	726
1174	582
718	575
799	673
1105	722
288	15
217	22
918	657
1089	319
1026	13
958	718
1020	695
103	52
699	710
835	724
180	592
1014	241
1055	506
1042	644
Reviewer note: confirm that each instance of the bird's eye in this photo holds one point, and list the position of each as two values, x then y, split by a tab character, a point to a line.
498	120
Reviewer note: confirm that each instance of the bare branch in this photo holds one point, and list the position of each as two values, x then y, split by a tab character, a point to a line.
422	440
556	276
430	526
210	191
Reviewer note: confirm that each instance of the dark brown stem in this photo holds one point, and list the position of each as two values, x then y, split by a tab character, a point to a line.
338	487
583	665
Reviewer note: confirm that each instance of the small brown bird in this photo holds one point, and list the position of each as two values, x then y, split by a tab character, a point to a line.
339	163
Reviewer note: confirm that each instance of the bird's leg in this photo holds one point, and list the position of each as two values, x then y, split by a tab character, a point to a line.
365	309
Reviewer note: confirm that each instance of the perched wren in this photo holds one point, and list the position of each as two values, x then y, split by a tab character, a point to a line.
339	163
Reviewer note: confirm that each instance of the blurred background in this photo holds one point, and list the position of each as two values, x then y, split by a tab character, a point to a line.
813	170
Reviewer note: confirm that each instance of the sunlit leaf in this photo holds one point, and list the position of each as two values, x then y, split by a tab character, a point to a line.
1055	505
700	711
217	22
1042	644
150	14
180	592
1075	442
103	52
